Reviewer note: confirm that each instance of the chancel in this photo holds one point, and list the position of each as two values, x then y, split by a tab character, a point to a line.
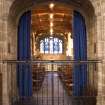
52	52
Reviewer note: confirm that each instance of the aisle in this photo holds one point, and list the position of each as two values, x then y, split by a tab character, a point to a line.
52	91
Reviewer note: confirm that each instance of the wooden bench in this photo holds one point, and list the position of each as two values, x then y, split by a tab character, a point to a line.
38	73
65	74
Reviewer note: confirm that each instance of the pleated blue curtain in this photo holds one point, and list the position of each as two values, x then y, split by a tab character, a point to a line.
80	53
24	75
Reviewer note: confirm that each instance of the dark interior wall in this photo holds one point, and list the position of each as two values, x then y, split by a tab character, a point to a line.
0	89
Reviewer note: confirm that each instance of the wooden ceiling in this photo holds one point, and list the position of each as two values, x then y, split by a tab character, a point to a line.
62	19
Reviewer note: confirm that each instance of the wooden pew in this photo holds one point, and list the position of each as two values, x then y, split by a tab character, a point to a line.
38	73
65	74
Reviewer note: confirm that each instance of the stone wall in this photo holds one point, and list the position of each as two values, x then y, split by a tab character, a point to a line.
5	52
8	39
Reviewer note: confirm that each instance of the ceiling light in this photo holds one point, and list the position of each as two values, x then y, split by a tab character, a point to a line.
40	20
51	5
51	31
51	24
51	16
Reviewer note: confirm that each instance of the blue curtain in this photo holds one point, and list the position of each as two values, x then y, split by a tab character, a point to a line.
24	75
80	53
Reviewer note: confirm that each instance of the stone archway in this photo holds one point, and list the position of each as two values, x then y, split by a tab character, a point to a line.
17	10
85	8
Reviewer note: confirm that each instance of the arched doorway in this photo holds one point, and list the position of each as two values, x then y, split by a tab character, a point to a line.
79	14
51	44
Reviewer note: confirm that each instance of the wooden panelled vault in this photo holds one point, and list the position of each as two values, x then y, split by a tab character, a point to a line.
57	19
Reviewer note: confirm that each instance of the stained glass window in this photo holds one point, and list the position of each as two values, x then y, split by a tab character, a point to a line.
51	45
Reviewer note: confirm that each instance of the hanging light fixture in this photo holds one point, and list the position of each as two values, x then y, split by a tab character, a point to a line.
51	5
51	16
51	24
51	31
